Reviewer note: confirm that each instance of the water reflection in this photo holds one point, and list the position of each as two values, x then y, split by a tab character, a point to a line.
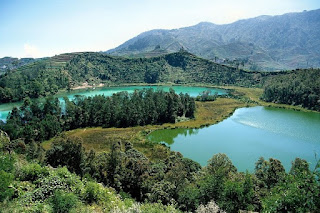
168	135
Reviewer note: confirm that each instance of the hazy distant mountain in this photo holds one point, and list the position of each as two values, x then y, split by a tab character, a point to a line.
9	63
287	41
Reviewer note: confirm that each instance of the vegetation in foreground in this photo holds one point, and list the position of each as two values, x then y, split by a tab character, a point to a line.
68	178
130	174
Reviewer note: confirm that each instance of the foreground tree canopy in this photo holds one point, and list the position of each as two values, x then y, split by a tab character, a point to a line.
29	183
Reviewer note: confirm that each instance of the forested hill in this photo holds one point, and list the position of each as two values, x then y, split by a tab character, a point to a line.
288	41
40	78
9	63
301	87
180	67
47	76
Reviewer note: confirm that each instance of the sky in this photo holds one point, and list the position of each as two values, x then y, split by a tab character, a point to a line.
41	28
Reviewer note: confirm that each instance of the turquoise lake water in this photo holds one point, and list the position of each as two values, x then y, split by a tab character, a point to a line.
248	134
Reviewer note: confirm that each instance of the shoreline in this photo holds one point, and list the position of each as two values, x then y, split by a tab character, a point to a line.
86	86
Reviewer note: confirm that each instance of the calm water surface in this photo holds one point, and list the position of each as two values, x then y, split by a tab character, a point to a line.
108	91
248	134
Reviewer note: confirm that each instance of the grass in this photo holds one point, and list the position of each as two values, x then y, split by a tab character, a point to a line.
211	112
100	140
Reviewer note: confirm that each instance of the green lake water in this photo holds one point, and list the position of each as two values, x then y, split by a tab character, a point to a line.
248	134
108	91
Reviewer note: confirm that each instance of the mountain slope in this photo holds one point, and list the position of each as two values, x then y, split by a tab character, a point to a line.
47	76
281	42
9	63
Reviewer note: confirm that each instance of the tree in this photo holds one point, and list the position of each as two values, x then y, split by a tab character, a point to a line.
220	163
66	152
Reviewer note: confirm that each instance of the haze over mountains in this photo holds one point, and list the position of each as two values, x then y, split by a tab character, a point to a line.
282	42
9	63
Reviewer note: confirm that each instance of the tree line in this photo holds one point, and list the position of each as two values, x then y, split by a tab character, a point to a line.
38	121
301	87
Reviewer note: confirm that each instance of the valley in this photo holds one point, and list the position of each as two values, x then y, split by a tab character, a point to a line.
205	118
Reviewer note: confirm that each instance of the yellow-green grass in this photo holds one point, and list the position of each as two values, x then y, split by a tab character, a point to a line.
210	112
100	140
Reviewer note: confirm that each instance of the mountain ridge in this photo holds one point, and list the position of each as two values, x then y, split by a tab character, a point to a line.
270	43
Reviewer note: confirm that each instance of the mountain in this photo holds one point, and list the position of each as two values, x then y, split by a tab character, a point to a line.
9	63
270	43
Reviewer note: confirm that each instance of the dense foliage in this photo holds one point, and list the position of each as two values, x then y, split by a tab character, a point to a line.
37	121
301	87
180	67
34	80
163	185
47	77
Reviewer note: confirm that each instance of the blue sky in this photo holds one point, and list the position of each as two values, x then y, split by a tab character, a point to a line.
38	28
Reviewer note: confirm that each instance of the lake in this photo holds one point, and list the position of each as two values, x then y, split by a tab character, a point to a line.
248	134
108	91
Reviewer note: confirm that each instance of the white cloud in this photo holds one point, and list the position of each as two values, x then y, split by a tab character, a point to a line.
31	51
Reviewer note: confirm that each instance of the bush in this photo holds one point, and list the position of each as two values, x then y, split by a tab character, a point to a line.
32	172
59	179
66	152
6	162
63	202
94	192
5	181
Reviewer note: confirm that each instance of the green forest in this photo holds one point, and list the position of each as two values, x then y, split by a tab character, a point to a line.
69	178
38	121
49	76
301	87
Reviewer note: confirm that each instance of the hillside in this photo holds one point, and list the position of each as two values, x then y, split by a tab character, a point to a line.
282	42
9	63
65	71
180	67
37	79
296	88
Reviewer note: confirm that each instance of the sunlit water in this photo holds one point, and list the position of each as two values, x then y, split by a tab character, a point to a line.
248	134
108	91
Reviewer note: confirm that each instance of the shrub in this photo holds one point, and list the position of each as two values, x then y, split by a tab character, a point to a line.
32	172
6	162
94	192
5	181
63	202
